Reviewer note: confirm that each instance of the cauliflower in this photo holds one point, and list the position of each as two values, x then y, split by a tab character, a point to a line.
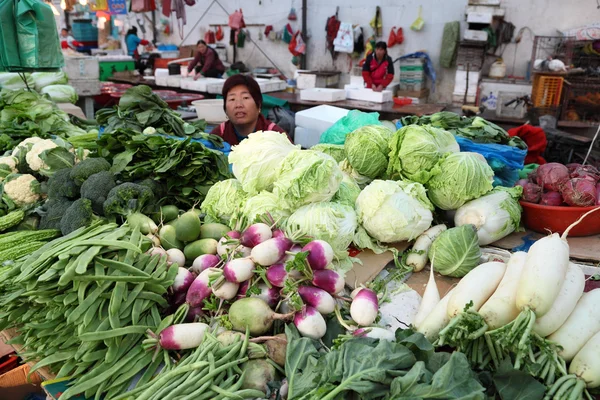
80	154
22	189
25	145
8	165
33	156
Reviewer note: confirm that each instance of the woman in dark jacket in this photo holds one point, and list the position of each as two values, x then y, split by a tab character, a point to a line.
242	102
378	69
206	61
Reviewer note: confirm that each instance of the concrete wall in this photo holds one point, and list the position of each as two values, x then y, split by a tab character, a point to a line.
542	16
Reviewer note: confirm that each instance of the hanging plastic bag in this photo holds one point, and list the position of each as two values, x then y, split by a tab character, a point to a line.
99	5
219	35
419	22
236	20
376	23
292	15
399	36
392	38
241	38
344	41
297	45
209	37
288	34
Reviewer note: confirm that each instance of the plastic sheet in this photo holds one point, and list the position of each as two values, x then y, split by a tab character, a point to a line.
355	119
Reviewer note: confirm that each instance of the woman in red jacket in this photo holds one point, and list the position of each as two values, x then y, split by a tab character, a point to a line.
242	103
378	69
206	62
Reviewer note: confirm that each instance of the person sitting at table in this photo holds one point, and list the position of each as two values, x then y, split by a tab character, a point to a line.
242	102
378	69
206	62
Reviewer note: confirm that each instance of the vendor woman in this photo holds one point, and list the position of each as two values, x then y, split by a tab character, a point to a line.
206	62
378	69
242	103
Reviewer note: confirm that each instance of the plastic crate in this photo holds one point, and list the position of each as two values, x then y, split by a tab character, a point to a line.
546	90
412	85
84	31
405	62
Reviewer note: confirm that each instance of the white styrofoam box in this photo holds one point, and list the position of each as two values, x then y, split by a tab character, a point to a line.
174	81
82	67
305	137
490	90
86	87
320	118
112	58
323	94
479	18
211	110
309	81
458	99
358	93
169	54
201	84
161	72
496	11
161	80
460	82
484	2
476	36
215	86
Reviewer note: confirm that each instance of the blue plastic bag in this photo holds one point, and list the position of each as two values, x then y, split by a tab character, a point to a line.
336	134
506	161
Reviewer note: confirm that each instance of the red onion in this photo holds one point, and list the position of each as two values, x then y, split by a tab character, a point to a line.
522	182
598	194
532	193
551	199
533	177
552	176
573	166
579	192
588	172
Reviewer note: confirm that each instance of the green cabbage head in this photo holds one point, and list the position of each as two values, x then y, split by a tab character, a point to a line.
61	93
361	180
332	222
306	177
223	202
261	204
348	191
464	176
255	161
416	150
367	150
456	251
393	211
334	150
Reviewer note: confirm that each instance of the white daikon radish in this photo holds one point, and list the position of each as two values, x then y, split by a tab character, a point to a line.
431	297
581	325
500	309
586	363
570	293
417	257
477	287
437	319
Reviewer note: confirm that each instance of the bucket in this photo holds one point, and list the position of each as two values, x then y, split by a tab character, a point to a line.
174	69
498	69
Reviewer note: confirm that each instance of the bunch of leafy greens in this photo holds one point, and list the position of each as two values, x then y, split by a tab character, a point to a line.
187	167
140	108
26	113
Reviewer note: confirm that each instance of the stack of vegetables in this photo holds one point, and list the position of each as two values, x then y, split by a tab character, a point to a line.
53	84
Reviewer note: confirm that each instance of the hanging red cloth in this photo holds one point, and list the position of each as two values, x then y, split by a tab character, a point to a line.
536	141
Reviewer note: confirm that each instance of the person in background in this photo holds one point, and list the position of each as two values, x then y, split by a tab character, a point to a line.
378	69
67	41
242	103
133	41
206	62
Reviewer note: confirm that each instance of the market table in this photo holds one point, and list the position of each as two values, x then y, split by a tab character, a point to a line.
387	110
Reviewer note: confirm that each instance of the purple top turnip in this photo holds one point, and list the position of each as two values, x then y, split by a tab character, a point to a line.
182	336
364	307
203	262
276	275
317	298
199	289
183	280
310	323
256	234
269	295
271	251
239	270
328	280
320	254
278	233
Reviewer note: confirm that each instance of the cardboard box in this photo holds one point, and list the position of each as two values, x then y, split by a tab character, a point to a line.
323	94
14	384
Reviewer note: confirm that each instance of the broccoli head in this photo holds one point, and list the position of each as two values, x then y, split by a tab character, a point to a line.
88	167
96	189
78	215
56	208
127	198
61	185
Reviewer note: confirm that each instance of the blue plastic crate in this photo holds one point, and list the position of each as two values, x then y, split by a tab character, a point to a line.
84	31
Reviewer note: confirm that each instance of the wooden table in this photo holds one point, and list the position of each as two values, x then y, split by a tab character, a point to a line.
139	81
386	110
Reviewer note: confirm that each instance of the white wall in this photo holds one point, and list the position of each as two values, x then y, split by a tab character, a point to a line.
542	16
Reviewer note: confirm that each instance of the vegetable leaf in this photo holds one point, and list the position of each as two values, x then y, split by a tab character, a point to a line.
513	384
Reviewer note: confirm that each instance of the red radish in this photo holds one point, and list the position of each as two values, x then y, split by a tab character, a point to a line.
199	289
551	199
232	236
253	313
328	280
522	182
205	261
270	251
375	333
175	256
276	275
579	192
194	314
182	336
227	290
552	176
320	254
239	270
310	323
364	307
278	233
317	298
183	280
256	234
269	295
243	289
532	193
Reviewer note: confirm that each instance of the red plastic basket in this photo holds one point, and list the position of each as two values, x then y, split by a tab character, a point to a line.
542	219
